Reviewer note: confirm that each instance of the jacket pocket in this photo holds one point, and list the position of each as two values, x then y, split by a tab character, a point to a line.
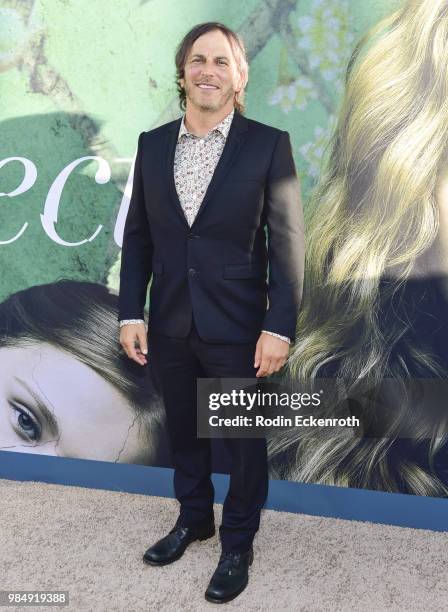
157	266
248	270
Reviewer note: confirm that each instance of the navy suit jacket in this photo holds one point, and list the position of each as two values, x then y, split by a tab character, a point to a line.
222	271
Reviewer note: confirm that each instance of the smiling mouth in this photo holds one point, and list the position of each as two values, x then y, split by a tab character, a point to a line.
206	86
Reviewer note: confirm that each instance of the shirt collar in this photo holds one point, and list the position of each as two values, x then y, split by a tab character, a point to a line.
223	126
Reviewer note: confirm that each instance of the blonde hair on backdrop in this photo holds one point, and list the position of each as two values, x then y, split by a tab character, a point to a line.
373	217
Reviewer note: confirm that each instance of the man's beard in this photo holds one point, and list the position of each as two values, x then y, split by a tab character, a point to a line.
209	106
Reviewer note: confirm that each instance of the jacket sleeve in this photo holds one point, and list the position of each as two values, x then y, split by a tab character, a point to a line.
286	248
137	249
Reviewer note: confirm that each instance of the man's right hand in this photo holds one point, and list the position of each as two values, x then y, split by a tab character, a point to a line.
130	335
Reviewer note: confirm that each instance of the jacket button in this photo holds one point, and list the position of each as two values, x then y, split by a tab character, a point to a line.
193	236
191	271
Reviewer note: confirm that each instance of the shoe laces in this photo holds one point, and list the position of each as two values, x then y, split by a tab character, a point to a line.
179	529
229	561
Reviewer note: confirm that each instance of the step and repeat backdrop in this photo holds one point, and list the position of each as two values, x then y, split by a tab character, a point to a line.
362	88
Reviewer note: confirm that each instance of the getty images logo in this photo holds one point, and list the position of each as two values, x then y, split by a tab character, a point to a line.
249	400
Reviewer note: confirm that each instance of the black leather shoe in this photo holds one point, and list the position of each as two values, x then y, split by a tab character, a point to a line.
230	577
172	546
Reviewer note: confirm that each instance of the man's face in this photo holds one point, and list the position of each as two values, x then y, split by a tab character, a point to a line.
211	62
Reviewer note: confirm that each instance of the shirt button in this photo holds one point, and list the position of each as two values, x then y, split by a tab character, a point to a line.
191	271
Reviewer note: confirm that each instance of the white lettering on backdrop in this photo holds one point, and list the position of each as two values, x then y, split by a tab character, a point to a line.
50	215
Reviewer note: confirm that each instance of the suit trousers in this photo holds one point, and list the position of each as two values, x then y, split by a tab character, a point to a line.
177	363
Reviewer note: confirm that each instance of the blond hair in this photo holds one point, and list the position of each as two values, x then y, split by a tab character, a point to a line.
373	216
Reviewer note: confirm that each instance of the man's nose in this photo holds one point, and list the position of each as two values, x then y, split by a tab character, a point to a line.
208	68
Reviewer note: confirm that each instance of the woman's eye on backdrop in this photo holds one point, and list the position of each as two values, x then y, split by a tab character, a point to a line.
25	423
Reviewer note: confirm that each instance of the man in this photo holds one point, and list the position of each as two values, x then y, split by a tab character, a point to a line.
205	187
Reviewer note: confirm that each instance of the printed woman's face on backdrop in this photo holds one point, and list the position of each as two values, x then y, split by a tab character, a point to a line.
53	404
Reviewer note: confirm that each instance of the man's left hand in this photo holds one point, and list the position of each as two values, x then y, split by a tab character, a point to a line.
270	354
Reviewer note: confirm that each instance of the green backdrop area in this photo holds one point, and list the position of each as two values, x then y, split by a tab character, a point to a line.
81	78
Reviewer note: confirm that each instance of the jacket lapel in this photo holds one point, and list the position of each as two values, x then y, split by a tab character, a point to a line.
235	138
